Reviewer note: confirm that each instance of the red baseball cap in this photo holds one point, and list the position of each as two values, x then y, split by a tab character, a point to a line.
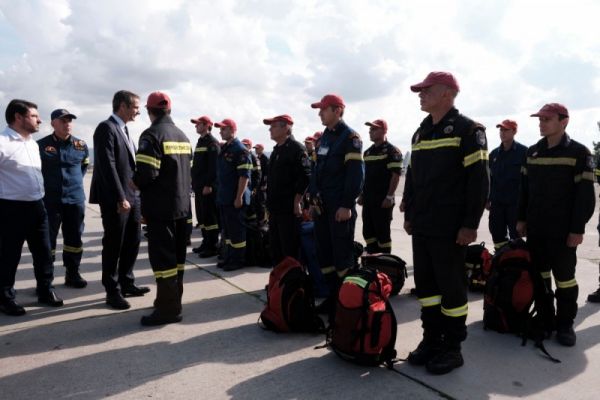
378	123
318	135
551	109
283	118
508	124
259	146
309	139
158	100
329	100
247	142
437	77
203	118
227	122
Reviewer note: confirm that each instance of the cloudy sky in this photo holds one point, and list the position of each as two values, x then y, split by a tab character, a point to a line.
250	59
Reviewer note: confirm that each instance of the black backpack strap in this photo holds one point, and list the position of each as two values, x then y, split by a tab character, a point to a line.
389	352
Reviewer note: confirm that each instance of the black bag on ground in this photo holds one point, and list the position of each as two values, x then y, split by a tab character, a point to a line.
290	300
258	252
478	262
393	266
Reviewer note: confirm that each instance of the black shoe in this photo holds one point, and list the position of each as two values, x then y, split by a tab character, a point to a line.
326	306
198	249
566	336
156	319
594	297
445	362
425	351
232	267
75	280
117	301
11	307
208	253
134	291
49	298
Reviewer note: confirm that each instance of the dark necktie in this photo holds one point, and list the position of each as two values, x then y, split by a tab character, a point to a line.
127	132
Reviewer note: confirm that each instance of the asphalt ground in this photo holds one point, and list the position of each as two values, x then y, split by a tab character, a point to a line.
86	351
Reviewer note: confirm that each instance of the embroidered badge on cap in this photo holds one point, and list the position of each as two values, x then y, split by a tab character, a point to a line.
480	137
590	162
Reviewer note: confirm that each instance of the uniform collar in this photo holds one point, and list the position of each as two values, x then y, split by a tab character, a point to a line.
57	139
512	147
337	128
450	116
565	141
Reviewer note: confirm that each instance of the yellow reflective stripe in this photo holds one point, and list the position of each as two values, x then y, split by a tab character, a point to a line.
180	267
597	172
166	274
71	249
394	165
257	168
86	161
227	241
479	155
569	161
253	216
353	156
153	162
500	244
430	301
210	227
189	221
546	274
566	284
239	245
177	148
456	312
587	175
524	170
370	240
436	144
357	281
244	166
200	149
375	158
327	270
342	273
388	244
53	251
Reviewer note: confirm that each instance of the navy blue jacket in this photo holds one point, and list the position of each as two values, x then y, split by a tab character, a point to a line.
233	162
339	171
505	174
64	163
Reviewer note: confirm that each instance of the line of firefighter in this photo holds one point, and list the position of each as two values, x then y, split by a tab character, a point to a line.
444	196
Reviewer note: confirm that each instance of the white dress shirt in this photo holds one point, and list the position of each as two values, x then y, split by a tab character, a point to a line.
20	167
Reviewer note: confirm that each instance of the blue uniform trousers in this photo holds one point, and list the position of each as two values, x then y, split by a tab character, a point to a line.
70	218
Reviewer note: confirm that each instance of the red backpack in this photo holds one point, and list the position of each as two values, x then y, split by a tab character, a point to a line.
478	264
364	327
290	300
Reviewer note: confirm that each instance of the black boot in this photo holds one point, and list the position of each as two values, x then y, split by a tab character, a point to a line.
74	279
425	351
447	360
565	335
167	305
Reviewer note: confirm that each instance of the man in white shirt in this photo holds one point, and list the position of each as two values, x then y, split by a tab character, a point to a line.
22	211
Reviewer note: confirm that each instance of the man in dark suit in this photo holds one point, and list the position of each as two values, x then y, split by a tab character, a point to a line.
114	165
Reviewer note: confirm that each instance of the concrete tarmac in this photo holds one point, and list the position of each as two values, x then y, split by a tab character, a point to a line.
86	351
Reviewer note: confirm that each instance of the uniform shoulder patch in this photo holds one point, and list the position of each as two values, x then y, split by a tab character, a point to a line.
357	143
480	137
145	145
590	162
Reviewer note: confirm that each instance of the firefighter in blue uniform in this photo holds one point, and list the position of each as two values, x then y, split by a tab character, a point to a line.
254	185
556	201
164	179
204	184
336	182
383	165
505	174
234	167
65	160
445	193
594	297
